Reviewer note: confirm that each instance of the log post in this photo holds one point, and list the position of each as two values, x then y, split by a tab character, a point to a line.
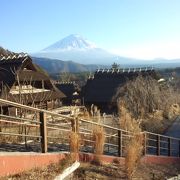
179	148
158	145
43	132
119	143
25	137
145	143
169	146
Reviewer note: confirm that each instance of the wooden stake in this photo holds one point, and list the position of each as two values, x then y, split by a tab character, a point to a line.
43	132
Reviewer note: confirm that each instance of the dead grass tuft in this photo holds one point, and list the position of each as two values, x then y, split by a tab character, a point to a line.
99	140
133	154
134	145
74	145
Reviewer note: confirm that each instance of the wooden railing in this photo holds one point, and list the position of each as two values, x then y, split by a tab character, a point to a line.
50	131
158	144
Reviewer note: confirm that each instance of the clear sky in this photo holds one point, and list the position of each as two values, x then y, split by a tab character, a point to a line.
134	28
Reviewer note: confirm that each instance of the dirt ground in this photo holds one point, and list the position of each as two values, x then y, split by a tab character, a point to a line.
89	171
115	171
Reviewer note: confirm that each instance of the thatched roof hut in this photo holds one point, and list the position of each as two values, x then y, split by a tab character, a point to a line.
101	88
70	89
24	82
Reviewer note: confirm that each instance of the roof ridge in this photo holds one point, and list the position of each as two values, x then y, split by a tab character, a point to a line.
13	56
122	70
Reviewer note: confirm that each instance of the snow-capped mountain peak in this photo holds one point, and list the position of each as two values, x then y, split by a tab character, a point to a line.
76	48
71	42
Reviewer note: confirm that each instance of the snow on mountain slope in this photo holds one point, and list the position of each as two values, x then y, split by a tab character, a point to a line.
75	48
71	42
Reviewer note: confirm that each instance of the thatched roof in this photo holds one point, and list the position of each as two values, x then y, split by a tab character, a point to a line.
9	66
5	52
18	68
68	88
103	85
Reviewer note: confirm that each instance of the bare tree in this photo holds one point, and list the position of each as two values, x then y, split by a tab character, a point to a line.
145	95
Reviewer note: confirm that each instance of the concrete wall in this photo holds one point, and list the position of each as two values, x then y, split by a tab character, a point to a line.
160	159
13	163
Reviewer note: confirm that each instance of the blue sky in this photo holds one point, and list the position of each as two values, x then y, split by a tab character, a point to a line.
135	28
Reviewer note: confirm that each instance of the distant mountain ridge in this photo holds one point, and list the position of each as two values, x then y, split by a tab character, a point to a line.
56	66
81	55
78	49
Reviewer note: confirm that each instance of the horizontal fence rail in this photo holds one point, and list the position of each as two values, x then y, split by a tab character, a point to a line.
45	131
157	144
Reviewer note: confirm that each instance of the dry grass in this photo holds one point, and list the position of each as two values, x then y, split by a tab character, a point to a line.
159	121
134	147
127	122
118	172
85	114
133	155
99	140
144	96
74	145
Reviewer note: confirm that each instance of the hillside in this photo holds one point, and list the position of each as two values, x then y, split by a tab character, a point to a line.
56	66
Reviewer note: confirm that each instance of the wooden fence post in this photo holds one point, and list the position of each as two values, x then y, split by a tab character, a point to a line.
25	137
179	148
158	145
77	125
145	140
43	132
119	143
169	146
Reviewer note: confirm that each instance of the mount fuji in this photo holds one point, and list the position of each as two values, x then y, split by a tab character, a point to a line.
71	42
77	49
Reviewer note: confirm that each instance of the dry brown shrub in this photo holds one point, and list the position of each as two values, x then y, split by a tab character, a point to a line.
144	96
74	145
159	121
154	122
134	145
99	140
133	154
174	111
84	114
126	121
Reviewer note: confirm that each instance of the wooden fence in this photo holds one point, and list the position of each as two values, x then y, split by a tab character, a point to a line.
51	131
